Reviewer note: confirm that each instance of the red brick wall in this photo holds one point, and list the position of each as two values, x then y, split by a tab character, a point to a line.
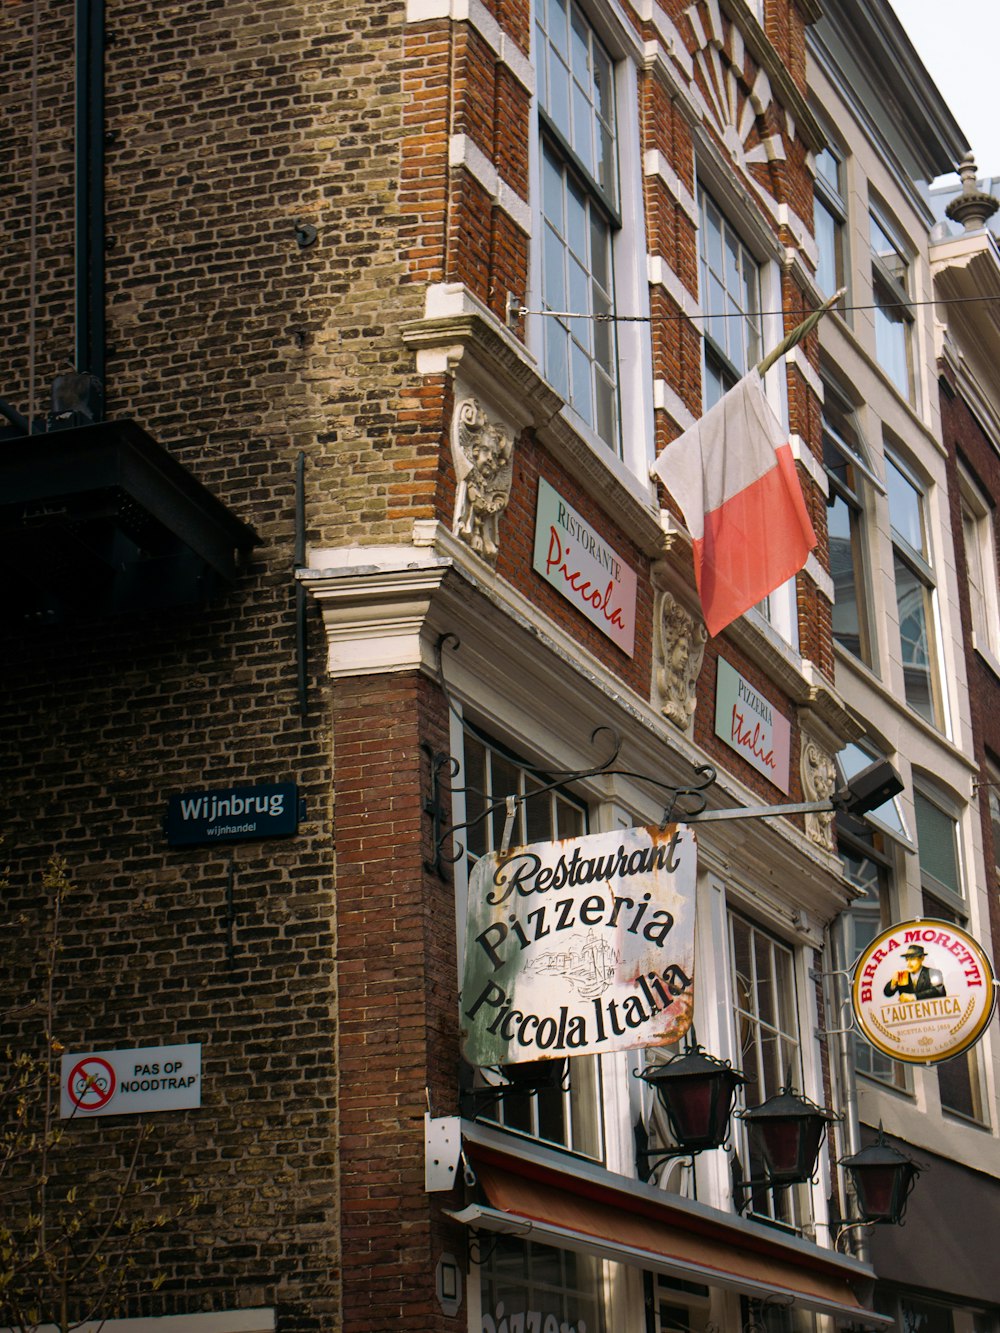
967	442
397	987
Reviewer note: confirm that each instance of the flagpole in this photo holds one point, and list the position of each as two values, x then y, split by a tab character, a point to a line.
800	331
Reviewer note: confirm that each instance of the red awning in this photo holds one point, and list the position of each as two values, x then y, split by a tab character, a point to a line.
563	1209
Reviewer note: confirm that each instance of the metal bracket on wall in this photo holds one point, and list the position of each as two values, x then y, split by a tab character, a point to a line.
442	1151
684	801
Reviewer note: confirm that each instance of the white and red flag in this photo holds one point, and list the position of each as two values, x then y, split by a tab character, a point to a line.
734	477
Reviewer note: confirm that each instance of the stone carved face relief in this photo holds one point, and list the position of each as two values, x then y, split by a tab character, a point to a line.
819	778
680	650
482	451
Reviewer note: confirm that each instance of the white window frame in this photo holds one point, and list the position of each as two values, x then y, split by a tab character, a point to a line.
631	457
979	536
602	1130
831	198
897	295
778	612
733	328
862	845
803	1207
856	499
918	562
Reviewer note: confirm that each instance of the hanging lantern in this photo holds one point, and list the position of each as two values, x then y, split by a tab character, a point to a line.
696	1091
882	1178
786	1132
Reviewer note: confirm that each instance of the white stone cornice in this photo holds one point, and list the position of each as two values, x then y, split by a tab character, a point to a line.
797	358
662	275
815	571
464	152
374	602
665	398
804	455
655	164
385	609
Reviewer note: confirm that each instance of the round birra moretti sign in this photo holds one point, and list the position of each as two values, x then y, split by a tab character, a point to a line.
923	991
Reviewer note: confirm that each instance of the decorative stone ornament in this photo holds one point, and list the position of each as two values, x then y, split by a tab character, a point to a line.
819	780
678	652
738	111
482	450
973	208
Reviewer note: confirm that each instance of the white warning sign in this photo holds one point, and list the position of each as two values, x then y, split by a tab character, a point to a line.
147	1078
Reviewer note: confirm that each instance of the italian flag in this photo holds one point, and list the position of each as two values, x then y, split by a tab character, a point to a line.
733	476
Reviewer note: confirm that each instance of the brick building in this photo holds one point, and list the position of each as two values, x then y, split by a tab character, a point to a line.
313	518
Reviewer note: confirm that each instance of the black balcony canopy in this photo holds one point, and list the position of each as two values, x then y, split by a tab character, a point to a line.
99	519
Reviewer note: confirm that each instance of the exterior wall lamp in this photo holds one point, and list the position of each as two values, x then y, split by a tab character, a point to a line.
866	791
696	1091
882	1178
519	1080
786	1132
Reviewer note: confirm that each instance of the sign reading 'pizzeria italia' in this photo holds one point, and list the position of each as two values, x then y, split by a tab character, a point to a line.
923	991
581	946
752	726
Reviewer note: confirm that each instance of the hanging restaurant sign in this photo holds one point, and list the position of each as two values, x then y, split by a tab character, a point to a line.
580	946
583	568
923	991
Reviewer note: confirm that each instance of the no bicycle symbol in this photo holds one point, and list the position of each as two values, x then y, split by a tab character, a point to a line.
129	1082
91	1083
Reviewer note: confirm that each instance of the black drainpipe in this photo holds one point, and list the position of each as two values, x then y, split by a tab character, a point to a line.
90	325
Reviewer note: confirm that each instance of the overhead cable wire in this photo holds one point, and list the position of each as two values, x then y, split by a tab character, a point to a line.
522	311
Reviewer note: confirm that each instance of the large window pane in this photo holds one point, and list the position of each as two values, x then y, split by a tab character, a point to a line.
579	208
828	267
768	1030
937	837
906	509
568	1116
914	577
730	286
893	317
847	571
913	605
530	1286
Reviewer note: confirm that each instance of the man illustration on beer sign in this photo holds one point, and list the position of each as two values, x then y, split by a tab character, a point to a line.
915	981
923	991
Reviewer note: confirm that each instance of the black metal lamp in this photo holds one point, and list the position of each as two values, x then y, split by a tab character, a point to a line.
519	1080
696	1091
786	1132
882	1178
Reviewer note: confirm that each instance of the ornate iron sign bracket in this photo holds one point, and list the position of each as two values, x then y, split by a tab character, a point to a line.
683	802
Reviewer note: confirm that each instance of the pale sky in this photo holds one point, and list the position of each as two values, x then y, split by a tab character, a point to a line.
959	43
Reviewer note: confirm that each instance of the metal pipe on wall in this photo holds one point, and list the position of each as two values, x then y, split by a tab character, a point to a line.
90	239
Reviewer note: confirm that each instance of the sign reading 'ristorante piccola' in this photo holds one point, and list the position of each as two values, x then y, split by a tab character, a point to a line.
923	991
580	946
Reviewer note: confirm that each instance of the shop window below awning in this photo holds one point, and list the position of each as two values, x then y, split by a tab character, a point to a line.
569	1211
